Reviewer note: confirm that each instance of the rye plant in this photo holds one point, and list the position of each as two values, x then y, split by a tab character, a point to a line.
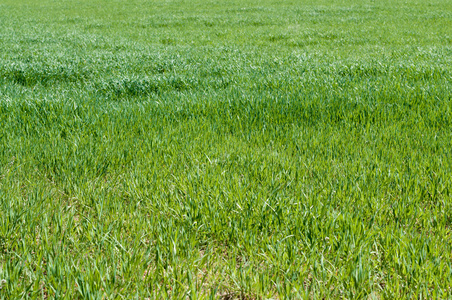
225	150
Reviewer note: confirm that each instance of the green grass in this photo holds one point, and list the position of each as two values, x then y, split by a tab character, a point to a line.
225	149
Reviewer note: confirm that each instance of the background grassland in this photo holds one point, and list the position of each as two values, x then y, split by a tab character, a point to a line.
225	149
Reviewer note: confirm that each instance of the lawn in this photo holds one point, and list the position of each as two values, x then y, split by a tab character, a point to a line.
193	149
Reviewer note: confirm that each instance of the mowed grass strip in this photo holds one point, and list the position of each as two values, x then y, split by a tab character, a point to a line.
225	150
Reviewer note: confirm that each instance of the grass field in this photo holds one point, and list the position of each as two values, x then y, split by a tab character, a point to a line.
225	149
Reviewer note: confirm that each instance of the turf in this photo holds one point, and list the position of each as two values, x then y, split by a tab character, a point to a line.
225	149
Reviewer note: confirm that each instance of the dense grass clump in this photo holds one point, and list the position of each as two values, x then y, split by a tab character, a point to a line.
231	150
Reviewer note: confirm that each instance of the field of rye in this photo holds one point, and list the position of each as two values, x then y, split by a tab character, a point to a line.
200	149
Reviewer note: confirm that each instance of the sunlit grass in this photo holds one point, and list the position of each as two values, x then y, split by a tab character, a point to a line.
253	150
